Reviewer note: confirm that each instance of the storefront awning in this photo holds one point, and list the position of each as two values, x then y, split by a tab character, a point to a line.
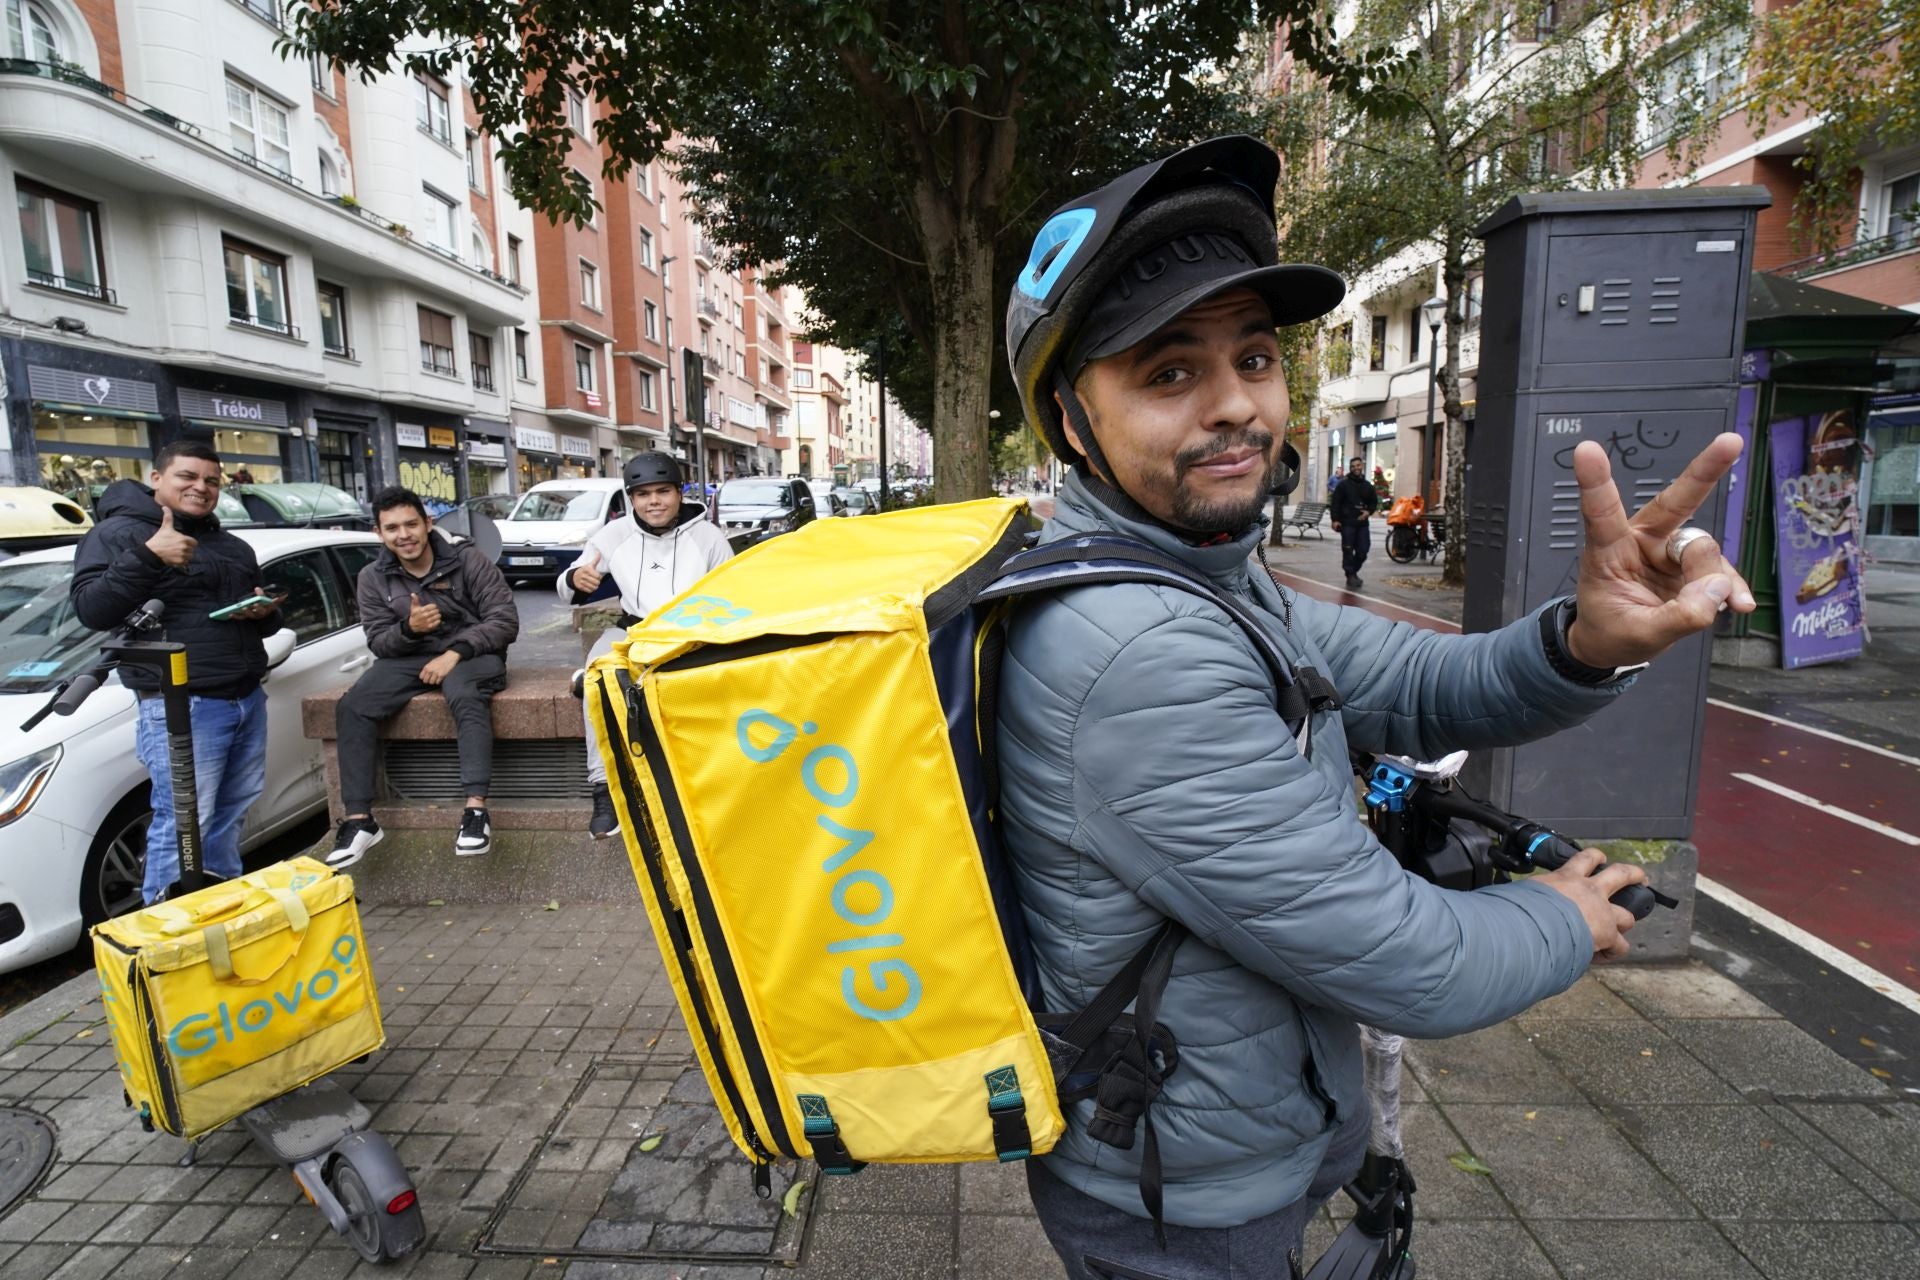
222	424
98	411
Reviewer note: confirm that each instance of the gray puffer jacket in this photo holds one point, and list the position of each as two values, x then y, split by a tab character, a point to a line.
1146	774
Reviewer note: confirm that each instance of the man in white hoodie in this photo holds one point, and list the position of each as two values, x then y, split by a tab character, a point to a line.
665	548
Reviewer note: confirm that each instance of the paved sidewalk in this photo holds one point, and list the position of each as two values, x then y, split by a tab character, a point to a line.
1650	1124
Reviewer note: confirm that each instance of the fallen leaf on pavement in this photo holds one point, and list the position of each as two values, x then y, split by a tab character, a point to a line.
1869	1043
790	1203
1884	1075
1646	1053
1532	1114
652	1140
553	904
436	902
83	1035
1467	1162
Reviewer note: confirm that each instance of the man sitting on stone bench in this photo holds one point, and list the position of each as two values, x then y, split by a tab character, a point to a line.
439	616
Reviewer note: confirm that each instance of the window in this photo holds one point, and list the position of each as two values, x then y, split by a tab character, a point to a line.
256	287
1475	288
476	166
576	112
1903	209
513	259
583	367
1415	319
257	127
316	605
436	341
738	321
739	364
32	33
333	317
643	179
265	10
589	285
61	234
480	355
321	72
430	108
329	176
1546	20
646	389
437	213
650	315
520	354
478	251
646	248
1377	348
803	377
1688	85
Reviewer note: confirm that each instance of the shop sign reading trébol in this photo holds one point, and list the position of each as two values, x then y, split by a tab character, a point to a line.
207	406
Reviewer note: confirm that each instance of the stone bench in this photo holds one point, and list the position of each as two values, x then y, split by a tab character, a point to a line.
539	804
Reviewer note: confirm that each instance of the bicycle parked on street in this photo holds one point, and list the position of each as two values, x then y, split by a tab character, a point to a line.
1412	533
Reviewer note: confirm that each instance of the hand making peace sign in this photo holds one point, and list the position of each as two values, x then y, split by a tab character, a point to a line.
1634	602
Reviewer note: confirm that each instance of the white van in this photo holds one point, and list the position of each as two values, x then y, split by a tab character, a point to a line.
552	521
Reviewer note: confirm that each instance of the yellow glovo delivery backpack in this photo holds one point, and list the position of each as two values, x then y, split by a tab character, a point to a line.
234	994
801	752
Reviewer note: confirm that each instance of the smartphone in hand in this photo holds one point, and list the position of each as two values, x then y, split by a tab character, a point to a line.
220	615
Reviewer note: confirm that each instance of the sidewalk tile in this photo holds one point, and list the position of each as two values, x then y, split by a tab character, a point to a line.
247	1225
190	1225
1736	1163
135	1223
76	1182
1566	1162
1498	1064
27	1220
1587	998
1689	990
898	1188
887	1246
1442	1191
989	1187
1481	1251
1642	1250
1775	1056
1878	1154
995	1247
328	1262
1620	1060
1829	1251
80	1223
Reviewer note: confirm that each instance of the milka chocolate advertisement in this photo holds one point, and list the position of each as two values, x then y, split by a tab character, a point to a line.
1816	484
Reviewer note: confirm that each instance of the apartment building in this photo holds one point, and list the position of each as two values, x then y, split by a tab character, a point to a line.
817	448
164	158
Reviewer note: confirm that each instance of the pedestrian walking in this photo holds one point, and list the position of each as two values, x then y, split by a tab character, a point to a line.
161	540
1354	501
437	616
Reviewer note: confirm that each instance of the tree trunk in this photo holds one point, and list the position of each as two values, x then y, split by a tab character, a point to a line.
962	353
1453	273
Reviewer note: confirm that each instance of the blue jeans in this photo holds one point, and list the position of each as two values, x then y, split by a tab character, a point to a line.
230	772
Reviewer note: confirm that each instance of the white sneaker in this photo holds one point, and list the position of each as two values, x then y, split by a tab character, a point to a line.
476	834
351	840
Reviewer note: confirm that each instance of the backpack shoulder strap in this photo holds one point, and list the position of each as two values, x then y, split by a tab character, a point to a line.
1094	558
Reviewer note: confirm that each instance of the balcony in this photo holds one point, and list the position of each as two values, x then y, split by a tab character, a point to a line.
708	309
483	377
704	250
83	288
260	324
775	351
1356	388
66	118
774	395
1859	253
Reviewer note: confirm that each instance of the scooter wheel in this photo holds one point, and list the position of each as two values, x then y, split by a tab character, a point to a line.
364	1217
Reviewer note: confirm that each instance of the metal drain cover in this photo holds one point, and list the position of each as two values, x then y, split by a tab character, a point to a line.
590	1191
26	1149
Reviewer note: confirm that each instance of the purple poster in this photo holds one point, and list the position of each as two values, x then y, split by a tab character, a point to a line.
1735	526
1816	480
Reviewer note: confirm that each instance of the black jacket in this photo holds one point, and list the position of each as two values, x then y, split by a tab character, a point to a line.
477	613
1354	498
114	574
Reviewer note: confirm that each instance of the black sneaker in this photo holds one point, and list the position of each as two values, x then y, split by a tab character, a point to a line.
603	823
476	834
351	840
1353	582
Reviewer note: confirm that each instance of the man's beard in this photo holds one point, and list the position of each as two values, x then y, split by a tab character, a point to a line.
1229	515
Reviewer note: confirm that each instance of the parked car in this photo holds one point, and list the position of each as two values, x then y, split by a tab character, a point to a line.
495	506
858	501
32	518
544	532
73	799
826	502
764	505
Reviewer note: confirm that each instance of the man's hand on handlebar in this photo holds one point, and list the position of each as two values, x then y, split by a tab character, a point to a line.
1589	880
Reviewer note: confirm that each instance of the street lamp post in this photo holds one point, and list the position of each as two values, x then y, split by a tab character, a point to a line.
666	322
1434	309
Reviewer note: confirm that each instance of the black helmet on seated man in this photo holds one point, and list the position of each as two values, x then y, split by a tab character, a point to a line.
1111	268
651	467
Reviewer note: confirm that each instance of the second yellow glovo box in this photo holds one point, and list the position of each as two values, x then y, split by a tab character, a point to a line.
792	749
227	997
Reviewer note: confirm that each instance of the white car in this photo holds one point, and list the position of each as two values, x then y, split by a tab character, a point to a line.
73	799
552	521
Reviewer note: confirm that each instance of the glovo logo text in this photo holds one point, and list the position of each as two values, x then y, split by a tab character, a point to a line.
885	989
196	1033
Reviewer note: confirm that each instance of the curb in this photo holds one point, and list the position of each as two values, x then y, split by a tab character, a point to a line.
44	1011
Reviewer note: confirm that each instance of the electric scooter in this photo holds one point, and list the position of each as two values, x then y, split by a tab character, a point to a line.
319	1132
1411	806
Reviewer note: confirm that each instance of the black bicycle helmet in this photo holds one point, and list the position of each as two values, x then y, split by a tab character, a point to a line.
652	467
1183	229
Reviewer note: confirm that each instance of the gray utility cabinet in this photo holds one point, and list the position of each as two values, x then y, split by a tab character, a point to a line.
1614	317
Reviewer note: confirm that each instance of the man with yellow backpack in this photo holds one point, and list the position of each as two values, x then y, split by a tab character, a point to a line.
1147	774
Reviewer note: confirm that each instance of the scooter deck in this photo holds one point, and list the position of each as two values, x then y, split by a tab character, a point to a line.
299	1125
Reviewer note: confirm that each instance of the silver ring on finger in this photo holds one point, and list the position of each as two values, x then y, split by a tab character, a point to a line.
1683	537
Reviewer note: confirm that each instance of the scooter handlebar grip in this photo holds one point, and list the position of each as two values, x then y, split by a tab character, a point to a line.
69	702
1638	899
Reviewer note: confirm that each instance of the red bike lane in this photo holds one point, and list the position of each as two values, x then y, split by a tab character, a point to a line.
1841	861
